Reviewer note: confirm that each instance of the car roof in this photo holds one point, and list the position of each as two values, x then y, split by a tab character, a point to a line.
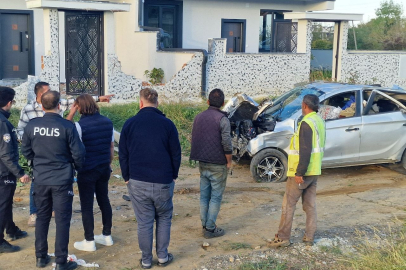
331	87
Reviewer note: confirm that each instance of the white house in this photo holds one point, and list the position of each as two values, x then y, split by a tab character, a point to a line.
104	47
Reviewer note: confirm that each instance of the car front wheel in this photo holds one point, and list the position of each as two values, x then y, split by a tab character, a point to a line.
269	165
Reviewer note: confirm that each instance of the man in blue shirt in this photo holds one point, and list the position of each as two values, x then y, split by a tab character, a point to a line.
150	156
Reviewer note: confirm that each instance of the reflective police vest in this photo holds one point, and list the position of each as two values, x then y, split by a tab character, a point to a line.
318	127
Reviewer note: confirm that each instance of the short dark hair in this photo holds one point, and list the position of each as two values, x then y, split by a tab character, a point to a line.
50	100
6	95
39	86
312	101
87	104
149	95
216	98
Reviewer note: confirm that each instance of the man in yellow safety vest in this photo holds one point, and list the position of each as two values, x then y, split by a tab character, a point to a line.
304	166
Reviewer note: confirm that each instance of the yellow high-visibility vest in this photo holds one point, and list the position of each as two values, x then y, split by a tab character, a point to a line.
318	127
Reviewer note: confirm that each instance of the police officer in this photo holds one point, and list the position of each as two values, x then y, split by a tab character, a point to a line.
54	145
10	171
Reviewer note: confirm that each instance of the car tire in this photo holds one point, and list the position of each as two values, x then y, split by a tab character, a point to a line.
263	166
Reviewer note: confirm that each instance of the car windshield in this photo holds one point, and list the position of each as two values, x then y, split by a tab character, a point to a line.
288	104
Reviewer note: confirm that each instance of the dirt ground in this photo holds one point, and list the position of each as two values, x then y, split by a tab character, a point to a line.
347	198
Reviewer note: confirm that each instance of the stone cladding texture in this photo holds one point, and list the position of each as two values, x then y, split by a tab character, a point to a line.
370	67
256	74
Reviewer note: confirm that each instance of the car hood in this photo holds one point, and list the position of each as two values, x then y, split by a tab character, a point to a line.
243	107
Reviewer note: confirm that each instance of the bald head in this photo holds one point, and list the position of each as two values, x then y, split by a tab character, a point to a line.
50	100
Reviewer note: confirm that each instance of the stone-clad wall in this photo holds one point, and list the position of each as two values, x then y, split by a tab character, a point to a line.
256	74
184	86
366	67
123	86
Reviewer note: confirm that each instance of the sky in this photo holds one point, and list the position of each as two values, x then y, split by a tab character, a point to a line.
367	7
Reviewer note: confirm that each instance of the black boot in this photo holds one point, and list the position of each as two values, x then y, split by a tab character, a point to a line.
17	235
6	247
42	262
66	266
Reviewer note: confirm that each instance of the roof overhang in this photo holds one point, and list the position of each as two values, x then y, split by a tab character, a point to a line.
323	16
79	5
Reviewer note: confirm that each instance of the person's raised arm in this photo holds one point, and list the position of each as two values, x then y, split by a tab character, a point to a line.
72	113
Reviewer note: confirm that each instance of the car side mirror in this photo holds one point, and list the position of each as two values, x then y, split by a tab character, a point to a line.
403	111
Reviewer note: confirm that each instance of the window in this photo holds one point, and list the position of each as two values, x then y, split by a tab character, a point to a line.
342	105
288	104
381	103
275	33
168	16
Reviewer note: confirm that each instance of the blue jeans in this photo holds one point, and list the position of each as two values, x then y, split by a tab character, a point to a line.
33	209
151	202
213	179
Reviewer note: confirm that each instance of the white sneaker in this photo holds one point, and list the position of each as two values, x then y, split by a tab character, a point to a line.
85	245
104	240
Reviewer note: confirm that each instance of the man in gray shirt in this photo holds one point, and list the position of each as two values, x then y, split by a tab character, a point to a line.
211	146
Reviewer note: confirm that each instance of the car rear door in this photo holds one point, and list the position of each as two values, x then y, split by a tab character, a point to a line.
382	135
343	137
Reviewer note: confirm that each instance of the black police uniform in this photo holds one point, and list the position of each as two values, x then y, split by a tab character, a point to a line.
54	145
10	171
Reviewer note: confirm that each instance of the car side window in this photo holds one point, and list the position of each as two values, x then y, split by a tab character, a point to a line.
383	104
339	106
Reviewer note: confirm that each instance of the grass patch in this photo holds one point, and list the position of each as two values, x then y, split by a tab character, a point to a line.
321	75
381	253
263	265
236	246
182	115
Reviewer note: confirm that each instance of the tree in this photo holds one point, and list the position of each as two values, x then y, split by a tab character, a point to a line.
323	37
386	32
389	14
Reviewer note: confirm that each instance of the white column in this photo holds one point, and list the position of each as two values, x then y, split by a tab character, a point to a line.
109	46
304	35
339	46
50	61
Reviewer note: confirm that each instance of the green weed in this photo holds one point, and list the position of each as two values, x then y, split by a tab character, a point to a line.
381	253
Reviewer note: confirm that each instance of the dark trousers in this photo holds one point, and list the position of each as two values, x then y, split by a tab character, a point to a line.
152	202
60	199
6	211
90	182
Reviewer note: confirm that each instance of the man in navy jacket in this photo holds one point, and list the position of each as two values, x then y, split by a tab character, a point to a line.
150	156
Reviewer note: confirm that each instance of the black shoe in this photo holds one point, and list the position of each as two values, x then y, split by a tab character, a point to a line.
216	232
17	235
170	259
126	198
66	266
145	267
6	247
42	262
